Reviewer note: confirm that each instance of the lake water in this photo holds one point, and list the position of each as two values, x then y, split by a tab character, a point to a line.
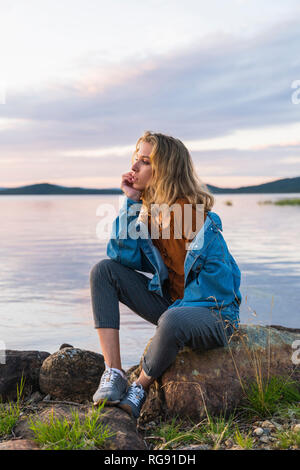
49	245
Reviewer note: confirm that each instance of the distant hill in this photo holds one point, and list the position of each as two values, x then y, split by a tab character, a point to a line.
286	185
46	188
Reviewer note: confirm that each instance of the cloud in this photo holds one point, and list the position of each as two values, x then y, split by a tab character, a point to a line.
273	161
291	160
217	88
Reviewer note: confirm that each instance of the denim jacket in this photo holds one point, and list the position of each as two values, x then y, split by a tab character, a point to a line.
211	275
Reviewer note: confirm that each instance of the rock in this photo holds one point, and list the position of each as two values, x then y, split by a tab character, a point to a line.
18	444
258	432
65	345
124	426
296	427
193	447
35	398
127	437
268	425
21	429
277	426
17	363
153	405
47	397
267	431
211	380
152	424
285	328
71	374
229	443
264	439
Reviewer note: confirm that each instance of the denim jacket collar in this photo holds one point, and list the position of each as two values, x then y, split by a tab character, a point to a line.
215	219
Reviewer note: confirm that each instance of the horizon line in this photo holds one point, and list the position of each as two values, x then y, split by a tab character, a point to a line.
114	188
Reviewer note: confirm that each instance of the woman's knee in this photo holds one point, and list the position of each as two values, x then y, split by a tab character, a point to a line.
172	322
101	268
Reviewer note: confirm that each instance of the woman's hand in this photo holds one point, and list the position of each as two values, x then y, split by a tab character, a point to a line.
126	186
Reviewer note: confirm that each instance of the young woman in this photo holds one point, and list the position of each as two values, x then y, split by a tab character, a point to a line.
193	296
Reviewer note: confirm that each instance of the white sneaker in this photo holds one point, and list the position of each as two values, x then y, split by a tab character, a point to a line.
113	386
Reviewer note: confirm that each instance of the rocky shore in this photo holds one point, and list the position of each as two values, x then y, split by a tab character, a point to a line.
198	403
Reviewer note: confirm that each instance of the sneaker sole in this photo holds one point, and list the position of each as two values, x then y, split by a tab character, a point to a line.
108	402
128	410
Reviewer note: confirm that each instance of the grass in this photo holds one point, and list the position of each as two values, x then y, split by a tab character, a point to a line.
10	412
211	430
280	396
265	202
57	433
217	429
288	202
62	434
271	397
288	439
220	432
264	399
264	395
9	415
171	430
267	396
283	202
288	412
246	442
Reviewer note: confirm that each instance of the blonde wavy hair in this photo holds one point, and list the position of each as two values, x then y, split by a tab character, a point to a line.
173	174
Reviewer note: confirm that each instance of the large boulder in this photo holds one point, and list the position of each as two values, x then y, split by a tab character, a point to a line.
71	374
118	421
126	436
18	444
214	381
18	364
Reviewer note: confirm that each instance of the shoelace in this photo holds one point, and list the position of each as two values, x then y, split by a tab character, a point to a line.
135	393
108	376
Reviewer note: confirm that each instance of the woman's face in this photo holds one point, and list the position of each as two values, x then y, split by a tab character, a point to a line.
141	168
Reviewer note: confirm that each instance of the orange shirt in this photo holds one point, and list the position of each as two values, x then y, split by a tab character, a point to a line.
173	250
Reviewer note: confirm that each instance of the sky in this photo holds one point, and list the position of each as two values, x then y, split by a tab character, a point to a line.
80	81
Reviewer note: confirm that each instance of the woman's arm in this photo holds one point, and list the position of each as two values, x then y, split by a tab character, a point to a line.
121	246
